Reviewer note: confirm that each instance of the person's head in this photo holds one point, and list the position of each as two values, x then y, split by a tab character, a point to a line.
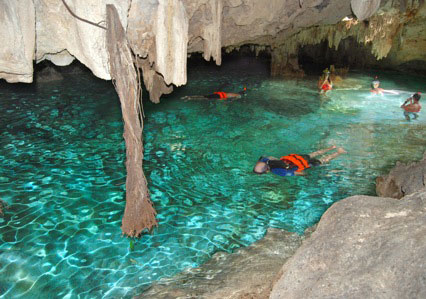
416	96
243	91
261	167
375	84
327	75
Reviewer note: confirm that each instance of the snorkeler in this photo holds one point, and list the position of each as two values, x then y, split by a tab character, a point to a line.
293	164
412	106
326	84
217	95
375	88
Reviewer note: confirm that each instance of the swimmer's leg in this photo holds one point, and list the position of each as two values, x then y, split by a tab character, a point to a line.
326	159
407	115
323	151
192	97
415	115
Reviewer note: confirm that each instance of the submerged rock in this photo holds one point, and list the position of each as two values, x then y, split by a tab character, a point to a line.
363	247
49	74
247	273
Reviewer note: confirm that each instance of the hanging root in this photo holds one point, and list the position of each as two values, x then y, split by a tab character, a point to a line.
139	214
138	218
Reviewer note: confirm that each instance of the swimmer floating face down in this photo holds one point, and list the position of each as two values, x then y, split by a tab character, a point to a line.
261	167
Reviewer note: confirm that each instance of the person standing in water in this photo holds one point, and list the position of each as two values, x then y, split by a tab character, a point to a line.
412	106
375	88
294	164
326	84
220	95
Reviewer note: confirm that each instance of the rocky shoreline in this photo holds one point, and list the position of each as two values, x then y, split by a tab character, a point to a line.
363	247
249	272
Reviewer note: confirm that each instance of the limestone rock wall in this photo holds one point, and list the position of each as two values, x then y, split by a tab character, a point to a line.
62	38
410	42
17	40
163	32
397	35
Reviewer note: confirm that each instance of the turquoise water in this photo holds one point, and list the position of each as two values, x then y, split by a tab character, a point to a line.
63	173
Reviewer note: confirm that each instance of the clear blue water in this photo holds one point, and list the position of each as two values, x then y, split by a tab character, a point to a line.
63	173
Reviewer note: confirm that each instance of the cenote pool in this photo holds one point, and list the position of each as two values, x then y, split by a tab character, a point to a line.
63	174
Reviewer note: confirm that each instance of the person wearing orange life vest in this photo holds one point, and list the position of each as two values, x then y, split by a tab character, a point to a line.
294	164
220	95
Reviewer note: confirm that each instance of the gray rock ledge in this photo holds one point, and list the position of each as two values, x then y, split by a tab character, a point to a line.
363	247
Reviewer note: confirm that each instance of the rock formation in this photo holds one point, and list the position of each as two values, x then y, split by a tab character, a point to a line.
247	273
364	246
49	74
163	32
391	33
17	40
403	179
363	9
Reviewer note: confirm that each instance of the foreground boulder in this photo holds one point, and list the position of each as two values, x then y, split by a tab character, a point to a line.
402	180
363	247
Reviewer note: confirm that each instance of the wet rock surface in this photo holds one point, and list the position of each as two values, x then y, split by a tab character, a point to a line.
403	179
49	74
363	247
247	273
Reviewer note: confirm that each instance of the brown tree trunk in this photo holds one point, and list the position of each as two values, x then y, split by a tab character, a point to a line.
139	214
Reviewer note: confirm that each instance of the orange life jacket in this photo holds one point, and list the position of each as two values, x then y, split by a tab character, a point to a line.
326	86
297	160
222	95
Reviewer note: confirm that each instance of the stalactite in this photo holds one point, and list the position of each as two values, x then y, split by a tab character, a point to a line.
363	9
212	33
380	31
153	81
139	214
171	40
17	40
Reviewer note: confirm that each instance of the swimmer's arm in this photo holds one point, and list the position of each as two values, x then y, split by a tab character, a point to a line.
406	102
300	173
390	91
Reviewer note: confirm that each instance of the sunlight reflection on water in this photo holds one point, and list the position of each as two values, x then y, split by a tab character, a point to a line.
63	172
